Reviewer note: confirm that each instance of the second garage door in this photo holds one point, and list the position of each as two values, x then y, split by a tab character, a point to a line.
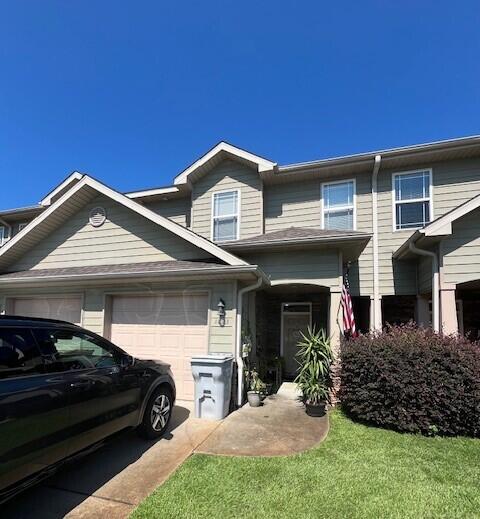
170	327
51	307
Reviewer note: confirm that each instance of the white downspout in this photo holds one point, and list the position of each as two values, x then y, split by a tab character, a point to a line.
238	353
377	309
436	284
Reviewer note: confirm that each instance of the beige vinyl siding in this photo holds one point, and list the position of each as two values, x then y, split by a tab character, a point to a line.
395	277
315	266
461	250
176	209
298	204
93	310
454	182
229	175
293	204
126	237
424	273
96	300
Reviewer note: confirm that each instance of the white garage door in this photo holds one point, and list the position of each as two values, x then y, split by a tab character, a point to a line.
63	308
170	327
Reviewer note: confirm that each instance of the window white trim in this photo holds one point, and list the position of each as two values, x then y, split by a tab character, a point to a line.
413	200
3	238
339	208
233	215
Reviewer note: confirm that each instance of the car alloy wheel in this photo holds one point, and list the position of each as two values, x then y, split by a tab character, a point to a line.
160	414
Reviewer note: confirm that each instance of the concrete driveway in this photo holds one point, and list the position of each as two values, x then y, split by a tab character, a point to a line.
112	481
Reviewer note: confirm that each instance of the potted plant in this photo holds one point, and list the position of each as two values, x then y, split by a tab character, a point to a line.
256	388
314	378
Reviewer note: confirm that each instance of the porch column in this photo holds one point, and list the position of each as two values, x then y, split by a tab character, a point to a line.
423	317
335	320
448	309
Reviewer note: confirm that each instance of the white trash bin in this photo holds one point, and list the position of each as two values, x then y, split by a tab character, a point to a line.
212	375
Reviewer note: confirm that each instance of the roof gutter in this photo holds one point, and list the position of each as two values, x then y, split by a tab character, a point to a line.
254	269
377	305
296	241
402	151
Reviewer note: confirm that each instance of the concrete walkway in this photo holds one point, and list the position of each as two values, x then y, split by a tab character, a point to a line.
112	481
278	428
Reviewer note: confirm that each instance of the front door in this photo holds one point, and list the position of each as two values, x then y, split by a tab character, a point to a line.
296	318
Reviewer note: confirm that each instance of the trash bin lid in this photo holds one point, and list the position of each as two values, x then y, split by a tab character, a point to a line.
217	358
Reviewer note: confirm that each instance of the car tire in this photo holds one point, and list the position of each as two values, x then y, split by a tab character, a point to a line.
157	414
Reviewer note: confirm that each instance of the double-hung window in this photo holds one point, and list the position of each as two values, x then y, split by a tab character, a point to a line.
339	205
225	218
412	199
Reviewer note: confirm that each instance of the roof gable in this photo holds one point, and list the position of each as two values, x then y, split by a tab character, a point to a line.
215	155
80	194
443	225
61	188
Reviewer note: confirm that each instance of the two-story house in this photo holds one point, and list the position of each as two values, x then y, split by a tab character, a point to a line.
240	245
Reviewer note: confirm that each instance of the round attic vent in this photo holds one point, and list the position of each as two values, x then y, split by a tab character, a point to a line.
98	216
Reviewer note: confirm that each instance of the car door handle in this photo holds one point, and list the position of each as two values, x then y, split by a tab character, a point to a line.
80	384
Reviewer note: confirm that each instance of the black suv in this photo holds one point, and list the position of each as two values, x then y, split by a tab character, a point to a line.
63	390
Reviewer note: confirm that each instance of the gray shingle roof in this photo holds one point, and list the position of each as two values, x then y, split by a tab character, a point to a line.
297	235
128	268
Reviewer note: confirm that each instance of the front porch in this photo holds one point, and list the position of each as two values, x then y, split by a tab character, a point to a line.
275	319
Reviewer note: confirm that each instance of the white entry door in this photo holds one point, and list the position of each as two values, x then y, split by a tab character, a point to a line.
167	327
296	318
50	307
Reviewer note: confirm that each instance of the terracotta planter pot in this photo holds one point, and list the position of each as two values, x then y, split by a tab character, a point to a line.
316	410
254	398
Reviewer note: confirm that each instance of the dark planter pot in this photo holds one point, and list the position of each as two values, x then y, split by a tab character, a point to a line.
254	398
316	410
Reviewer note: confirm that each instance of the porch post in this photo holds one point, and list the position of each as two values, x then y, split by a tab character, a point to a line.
335	331
448	311
335	320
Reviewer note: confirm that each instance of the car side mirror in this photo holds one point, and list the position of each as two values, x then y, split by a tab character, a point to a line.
127	361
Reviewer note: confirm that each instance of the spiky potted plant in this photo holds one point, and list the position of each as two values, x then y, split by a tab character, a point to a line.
314	377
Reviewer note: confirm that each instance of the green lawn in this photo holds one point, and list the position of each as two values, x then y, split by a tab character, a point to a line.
357	471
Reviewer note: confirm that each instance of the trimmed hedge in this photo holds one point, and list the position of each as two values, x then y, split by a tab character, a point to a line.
411	379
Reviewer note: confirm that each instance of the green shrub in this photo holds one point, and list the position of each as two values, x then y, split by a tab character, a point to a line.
411	379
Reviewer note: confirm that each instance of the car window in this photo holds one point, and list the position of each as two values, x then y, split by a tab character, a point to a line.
19	355
66	350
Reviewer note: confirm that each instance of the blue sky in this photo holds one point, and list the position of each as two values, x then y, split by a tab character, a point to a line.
132	92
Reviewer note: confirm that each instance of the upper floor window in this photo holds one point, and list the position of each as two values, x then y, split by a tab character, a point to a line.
339	205
412	199
22	226
2	235
225	219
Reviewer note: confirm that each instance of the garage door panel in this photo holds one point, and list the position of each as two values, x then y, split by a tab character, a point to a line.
171	310
62	308
171	328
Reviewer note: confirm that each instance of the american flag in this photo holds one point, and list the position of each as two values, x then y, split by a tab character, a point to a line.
349	327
